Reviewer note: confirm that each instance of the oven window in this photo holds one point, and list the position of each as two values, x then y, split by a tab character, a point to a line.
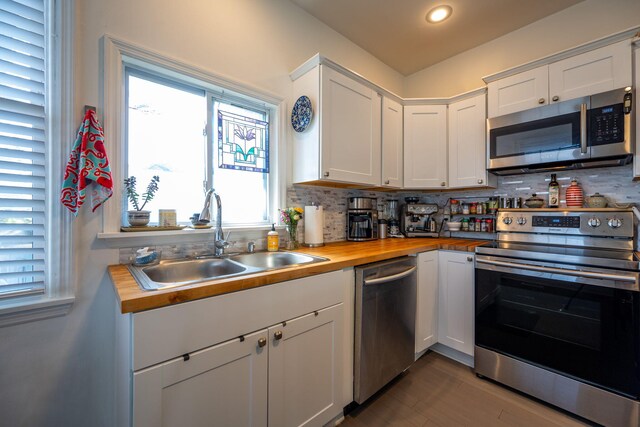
579	330
552	134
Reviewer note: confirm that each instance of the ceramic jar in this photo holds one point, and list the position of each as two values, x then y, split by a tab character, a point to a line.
597	201
534	201
574	195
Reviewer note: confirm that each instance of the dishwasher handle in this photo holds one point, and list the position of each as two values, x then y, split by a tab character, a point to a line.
385	279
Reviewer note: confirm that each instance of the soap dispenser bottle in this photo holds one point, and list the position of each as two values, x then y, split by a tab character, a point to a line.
273	239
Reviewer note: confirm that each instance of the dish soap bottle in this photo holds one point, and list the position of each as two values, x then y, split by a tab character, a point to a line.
554	192
273	239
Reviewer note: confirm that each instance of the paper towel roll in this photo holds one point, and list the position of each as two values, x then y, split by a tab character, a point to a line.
313	225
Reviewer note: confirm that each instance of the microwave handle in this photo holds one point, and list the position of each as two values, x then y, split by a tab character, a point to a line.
583	128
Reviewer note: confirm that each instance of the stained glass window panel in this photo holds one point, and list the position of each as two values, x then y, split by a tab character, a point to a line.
243	143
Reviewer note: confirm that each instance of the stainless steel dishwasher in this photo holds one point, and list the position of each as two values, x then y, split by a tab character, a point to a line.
385	323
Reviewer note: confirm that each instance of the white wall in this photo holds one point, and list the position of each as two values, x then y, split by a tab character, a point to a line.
579	24
60	372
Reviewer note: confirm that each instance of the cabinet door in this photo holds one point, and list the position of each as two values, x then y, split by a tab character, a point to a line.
223	385
519	92
305	369
350	131
425	146
592	72
467	143
427	301
456	317
392	159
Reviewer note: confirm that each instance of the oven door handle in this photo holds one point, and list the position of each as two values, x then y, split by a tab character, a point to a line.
577	273
385	279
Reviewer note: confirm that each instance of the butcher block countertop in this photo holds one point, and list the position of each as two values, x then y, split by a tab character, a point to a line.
341	255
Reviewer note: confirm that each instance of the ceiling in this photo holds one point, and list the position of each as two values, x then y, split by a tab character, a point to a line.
396	32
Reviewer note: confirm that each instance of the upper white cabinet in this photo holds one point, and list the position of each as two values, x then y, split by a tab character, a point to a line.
595	71
427	301
425	146
467	146
392	157
455	300
343	142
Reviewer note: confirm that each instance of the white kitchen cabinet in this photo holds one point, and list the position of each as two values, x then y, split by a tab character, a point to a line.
427	301
392	156
467	144
588	73
636	157
455	300
226	383
343	141
305	369
425	146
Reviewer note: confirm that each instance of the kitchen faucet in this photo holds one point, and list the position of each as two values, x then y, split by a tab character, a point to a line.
219	241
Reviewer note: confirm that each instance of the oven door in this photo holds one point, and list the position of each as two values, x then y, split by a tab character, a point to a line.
583	324
549	134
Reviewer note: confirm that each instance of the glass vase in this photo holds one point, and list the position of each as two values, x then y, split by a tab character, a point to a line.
292	243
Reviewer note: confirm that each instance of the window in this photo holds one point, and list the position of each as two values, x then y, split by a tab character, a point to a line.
195	139
29	265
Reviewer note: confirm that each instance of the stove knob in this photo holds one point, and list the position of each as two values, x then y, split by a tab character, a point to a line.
615	223
507	220
522	220
594	222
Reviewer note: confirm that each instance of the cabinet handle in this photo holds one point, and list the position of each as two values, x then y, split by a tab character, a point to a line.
262	342
480	181
443	184
277	335
541	101
470	258
326	174
555	98
387	182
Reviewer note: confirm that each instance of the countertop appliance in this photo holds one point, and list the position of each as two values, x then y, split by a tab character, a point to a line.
385	316
362	218
416	220
593	131
557	310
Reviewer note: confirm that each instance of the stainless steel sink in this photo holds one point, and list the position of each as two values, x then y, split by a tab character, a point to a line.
170	274
275	260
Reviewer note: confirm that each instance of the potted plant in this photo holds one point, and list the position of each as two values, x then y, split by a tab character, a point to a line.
139	217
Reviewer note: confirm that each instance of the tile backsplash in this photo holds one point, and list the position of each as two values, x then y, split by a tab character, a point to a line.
614	183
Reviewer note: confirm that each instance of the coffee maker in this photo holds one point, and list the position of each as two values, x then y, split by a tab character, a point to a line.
416	220
362	218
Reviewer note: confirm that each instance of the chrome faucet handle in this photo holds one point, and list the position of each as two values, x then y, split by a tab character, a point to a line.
251	247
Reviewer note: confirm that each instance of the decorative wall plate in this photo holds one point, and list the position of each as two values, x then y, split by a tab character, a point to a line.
301	114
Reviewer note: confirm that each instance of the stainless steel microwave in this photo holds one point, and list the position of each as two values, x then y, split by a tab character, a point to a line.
593	131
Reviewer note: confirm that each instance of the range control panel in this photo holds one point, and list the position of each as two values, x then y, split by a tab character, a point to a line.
602	223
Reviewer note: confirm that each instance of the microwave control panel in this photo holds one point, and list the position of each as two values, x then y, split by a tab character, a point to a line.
606	124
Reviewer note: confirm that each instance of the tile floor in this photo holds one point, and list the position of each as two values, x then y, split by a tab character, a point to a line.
437	391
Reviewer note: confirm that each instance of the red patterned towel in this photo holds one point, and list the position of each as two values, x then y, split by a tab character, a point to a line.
88	166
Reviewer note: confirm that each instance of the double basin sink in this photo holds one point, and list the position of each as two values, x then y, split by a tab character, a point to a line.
174	273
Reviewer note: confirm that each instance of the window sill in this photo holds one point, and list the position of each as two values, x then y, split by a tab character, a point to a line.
131	238
30	309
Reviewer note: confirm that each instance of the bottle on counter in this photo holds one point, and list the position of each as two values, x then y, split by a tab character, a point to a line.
554	192
273	239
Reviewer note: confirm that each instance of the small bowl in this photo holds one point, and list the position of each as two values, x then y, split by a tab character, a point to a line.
454	225
597	201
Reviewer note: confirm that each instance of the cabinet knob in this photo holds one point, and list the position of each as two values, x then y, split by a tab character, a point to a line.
277	335
386	182
541	101
480	181
443	184
326	174
469	258
262	342
555	98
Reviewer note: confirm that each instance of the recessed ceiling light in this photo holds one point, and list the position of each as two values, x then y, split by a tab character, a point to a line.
439	14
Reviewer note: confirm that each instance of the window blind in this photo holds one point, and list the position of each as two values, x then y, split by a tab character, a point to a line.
22	147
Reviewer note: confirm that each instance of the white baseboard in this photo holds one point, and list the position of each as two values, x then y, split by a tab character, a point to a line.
456	355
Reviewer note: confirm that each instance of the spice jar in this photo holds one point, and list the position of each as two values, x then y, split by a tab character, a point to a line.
473	208
472	224
489	225
480	208
492	205
483	226
465	224
455	207
465	209
478	224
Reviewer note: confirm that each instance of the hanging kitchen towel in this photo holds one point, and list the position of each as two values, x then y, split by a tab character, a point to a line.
88	168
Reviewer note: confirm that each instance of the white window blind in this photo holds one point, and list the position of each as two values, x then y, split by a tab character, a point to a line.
22	147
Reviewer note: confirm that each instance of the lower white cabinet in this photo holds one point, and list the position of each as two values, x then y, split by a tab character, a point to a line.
455	300
427	301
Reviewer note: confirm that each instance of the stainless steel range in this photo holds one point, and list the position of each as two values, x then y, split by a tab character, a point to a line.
557	310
